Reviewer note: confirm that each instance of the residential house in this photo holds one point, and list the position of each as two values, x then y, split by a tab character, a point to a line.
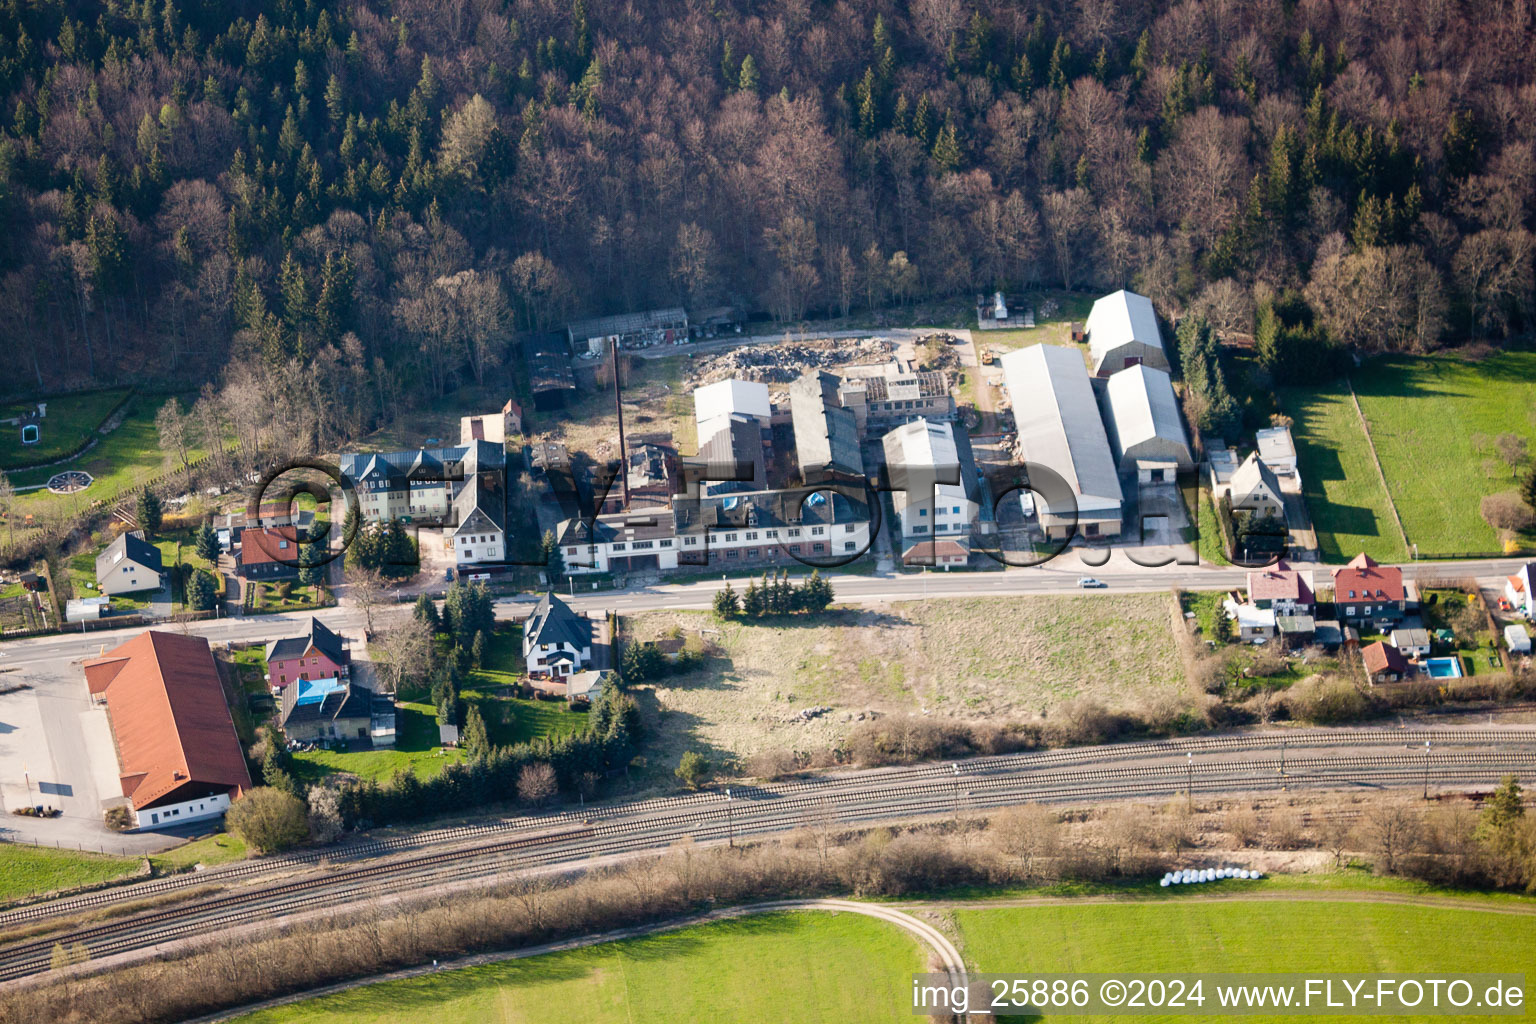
1254	489
129	564
179	757
1412	643
883	395
1277	450
556	640
1252	623
329	710
826	434
1517	590
1144	425
1060	431
319	654
1279	587
1366	592
269	553
929	493
1383	662
1122	331
462	488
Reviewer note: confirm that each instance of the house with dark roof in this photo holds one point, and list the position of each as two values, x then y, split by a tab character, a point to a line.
331	710
319	654
179	757
462	488
1517	590
556	640
129	564
1366	592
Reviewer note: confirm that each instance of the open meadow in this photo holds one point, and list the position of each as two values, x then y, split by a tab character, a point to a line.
68	424
1003	658
788	968
1237	935
25	870
1435	422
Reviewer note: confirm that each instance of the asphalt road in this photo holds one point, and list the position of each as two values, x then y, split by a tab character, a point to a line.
1056	577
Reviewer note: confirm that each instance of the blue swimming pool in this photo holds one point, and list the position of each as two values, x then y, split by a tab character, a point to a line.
1443	668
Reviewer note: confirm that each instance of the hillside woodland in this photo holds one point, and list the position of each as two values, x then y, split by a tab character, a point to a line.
330	211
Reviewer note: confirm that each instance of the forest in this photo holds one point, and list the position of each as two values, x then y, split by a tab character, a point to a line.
324	212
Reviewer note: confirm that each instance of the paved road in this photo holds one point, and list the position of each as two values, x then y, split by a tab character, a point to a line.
1056	577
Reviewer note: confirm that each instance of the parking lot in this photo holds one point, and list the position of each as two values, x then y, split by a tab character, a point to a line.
56	749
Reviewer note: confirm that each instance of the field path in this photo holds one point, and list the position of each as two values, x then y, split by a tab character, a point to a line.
1297	896
1381	474
928	936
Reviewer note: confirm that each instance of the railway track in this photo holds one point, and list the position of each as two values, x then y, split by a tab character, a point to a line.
982	783
377	846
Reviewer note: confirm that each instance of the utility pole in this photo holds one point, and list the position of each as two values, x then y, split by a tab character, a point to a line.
1426	769
1189	780
956	780
1283	786
730	818
618	408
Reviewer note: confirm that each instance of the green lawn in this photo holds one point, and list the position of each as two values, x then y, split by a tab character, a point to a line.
1349	507
208	851
416	748
69	422
783	968
25	870
1245	936
509	719
1435	421
121	460
300	598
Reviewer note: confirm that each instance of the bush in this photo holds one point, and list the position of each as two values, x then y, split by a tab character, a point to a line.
693	769
1327	700
324	815
1508	511
268	819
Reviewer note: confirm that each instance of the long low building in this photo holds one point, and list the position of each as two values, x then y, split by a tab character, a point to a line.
1144	425
1060	431
734	530
178	754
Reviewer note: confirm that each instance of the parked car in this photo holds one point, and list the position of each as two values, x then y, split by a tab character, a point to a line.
1089	583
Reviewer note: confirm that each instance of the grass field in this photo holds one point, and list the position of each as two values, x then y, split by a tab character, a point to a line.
789	968
416	749
208	851
1435	422
25	870
122	460
1008	658
1350	509
69	423
1300	935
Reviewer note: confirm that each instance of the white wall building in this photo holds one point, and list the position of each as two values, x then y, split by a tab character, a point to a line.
928	492
1122	331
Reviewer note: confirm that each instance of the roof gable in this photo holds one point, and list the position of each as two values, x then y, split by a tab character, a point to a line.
553	622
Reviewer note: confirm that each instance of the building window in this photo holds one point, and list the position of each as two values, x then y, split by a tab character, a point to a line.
690	541
666	543
794	532
818	548
848	545
849	528
751	535
817	531
922	512
919	529
618	547
732	553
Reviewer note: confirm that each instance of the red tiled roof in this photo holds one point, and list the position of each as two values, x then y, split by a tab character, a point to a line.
1383	657
1278	582
1516	583
169	716
258	547
1364	579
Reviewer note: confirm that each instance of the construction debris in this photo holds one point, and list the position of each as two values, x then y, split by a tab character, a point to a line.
782	363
